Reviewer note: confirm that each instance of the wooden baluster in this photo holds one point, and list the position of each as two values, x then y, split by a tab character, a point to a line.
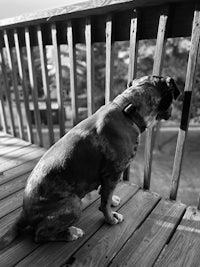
3	112
90	66
189	85
58	79
45	80
33	85
7	89
73	78
109	59
12	68
157	69
132	69
22	77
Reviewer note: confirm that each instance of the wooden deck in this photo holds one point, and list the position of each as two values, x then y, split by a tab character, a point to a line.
155	232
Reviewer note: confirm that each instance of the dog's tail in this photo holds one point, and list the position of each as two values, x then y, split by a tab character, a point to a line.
14	231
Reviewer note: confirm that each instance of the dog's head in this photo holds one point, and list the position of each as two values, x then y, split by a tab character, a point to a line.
152	97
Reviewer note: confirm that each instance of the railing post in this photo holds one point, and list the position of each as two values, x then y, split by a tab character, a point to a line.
189	85
157	68
133	52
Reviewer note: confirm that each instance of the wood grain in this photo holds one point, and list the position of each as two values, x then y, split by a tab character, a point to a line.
109	59
90	66
144	246
184	248
73	74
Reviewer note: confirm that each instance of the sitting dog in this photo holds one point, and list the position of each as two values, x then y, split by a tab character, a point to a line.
94	153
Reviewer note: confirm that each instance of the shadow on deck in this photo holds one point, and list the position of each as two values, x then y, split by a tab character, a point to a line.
155	232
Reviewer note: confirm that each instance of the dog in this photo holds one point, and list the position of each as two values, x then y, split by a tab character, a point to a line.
93	153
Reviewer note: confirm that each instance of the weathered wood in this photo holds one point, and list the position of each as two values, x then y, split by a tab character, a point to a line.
22	76
87	8
17	171
7	89
90	65
105	243
184	248
109	59
73	77
132	69
45	80
188	90
157	68
12	163
33	85
59	86
58	253
11	145
144	246
13	71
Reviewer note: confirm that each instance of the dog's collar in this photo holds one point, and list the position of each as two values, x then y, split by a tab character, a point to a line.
130	111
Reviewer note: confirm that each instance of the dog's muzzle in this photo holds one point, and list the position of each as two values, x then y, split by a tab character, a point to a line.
165	115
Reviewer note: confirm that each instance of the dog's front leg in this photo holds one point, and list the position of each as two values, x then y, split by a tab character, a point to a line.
107	189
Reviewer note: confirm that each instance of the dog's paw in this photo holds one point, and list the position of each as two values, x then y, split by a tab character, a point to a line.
116	218
115	201
75	233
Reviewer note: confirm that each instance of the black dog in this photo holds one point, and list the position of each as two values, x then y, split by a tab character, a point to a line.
94	153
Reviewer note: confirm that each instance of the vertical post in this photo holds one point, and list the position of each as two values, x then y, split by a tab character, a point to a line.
157	68
33	84
45	80
73	78
109	59
7	89
189	85
57	60
22	77
3	113
132	69
12	68
90	66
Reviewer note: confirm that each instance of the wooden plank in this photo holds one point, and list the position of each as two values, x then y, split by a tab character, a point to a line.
13	71
90	66
13	186
157	68
132	68
73	77
145	245
12	163
11	203
54	254
33	85
22	76
45	80
184	247
12	145
7	89
188	90
19	153
17	171
109	59
104	244
59	85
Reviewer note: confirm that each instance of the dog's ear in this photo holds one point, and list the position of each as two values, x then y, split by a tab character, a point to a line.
173	87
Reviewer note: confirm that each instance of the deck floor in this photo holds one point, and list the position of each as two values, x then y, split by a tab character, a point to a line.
155	232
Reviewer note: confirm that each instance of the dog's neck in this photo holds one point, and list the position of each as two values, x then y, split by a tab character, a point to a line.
130	111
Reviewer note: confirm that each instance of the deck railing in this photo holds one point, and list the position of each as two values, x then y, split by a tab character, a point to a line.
89	23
